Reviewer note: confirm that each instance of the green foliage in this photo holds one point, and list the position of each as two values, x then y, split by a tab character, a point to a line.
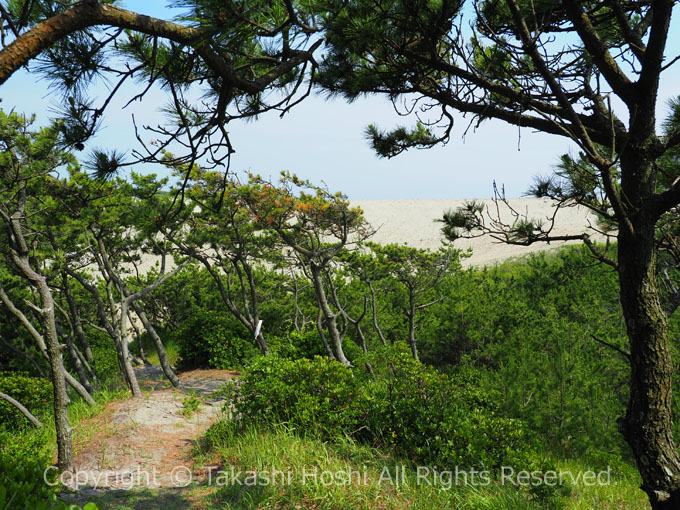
294	345
23	484
34	393
212	339
28	484
27	480
393	143
438	418
530	326
105	359
190	406
315	395
26	443
419	412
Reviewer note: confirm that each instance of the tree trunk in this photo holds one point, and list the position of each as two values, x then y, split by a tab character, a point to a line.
61	400
140	347
331	318
80	369
76	322
412	324
19	254
160	348
374	307
124	355
648	421
322	334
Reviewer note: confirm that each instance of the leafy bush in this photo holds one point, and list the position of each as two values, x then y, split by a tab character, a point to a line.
529	324
293	345
421	413
440	418
214	339
307	344
26	485
315	395
105	360
34	393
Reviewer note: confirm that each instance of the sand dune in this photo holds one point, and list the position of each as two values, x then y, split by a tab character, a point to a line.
413	222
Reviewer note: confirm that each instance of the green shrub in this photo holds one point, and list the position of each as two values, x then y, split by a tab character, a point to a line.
316	395
419	412
34	393
26	484
213	339
105	358
29	443
439	418
306	344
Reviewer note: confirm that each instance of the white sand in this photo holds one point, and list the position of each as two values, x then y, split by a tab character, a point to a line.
412	222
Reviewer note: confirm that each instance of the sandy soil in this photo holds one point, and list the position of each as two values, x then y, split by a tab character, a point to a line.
413	222
147	442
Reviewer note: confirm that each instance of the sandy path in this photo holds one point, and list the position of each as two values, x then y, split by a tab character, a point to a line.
147	442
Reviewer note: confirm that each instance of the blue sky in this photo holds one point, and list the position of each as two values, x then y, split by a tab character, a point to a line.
323	140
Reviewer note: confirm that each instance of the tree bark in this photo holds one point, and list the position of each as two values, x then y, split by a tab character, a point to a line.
76	322
160	348
80	369
111	328
647	426
140	347
42	346
412	324
329	315
125	349
54	350
648	422
374	308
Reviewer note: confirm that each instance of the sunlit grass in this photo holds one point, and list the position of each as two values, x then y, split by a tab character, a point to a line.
171	349
623	492
375	482
43	441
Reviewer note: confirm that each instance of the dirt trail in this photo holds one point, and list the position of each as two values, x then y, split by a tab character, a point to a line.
147	442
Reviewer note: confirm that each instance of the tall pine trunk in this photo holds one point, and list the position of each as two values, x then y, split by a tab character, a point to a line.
648	422
647	426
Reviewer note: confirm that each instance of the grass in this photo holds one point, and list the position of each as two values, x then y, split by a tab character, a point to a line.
190	406
43	441
171	349
258	450
623	493
358	480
